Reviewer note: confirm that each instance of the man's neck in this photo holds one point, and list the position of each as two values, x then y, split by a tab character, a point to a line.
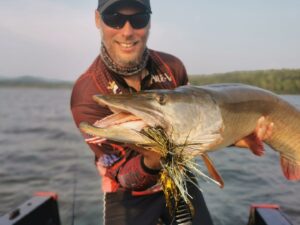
135	81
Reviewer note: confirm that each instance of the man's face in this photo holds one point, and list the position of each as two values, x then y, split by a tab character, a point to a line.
126	45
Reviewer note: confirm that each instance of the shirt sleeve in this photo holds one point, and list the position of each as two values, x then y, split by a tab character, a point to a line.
180	72
122	165
134	175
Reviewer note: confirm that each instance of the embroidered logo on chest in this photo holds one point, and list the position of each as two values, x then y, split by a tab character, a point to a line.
114	87
160	78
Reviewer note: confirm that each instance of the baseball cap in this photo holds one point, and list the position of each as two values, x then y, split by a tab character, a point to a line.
105	4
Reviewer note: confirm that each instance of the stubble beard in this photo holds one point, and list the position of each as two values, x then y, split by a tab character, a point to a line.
129	61
124	60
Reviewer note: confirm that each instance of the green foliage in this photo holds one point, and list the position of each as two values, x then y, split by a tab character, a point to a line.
285	81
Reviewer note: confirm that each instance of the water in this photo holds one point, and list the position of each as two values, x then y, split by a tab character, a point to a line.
42	150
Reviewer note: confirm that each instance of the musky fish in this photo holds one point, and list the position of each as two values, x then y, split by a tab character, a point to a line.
202	119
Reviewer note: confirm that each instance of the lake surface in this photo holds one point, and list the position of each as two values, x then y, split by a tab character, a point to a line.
42	150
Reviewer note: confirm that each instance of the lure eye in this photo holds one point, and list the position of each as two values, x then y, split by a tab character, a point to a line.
161	99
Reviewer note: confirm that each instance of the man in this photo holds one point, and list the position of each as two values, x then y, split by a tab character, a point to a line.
125	64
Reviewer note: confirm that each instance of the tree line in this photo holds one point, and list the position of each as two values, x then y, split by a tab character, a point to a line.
284	81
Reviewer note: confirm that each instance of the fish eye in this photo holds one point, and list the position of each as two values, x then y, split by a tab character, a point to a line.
161	99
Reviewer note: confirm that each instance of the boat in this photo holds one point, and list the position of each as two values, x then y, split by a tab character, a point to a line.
42	209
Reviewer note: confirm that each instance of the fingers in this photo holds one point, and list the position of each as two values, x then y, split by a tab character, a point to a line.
263	128
268	131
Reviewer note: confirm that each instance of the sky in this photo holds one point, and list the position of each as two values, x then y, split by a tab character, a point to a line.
58	39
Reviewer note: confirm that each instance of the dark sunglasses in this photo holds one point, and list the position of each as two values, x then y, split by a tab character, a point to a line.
117	20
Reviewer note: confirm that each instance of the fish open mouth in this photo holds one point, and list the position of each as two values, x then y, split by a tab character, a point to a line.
120	127
122	119
127	123
123	115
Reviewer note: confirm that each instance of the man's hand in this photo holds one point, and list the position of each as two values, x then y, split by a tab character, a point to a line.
151	158
255	140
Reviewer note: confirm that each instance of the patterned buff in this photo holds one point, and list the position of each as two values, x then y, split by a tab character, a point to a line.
124	71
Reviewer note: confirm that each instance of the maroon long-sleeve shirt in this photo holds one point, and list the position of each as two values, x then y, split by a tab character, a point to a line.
121	167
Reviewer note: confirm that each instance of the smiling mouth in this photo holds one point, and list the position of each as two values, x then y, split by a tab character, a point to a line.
127	44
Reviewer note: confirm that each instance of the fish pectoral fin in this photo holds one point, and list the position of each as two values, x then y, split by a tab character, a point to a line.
212	170
252	142
290	169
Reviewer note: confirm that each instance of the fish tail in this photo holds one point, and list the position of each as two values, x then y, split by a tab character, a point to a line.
290	168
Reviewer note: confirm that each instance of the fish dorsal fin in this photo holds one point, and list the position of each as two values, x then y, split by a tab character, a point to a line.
212	170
